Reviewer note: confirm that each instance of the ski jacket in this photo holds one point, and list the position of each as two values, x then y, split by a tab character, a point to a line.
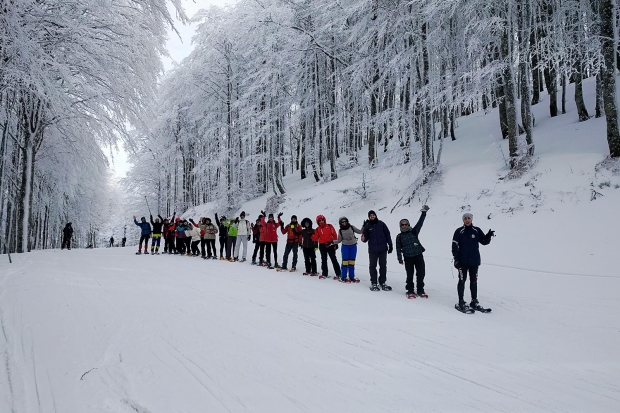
193	232
210	231
325	234
223	229
243	228
67	231
157	226
306	234
293	233
465	247
270	229
347	236
180	231
377	235
407	242
144	226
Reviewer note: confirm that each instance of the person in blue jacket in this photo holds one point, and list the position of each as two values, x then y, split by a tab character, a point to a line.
465	251
145	234
379	240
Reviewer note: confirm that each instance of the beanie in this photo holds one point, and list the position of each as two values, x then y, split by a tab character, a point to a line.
294	217
270	216
468	215
371	212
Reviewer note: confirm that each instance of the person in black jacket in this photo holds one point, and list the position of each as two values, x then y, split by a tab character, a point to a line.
123	241
67	234
379	240
111	242
409	246
308	247
223	231
157	229
465	251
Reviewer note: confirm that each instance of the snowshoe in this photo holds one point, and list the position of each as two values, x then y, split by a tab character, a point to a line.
222	258
139	253
292	269
475	305
281	269
254	263
386	287
322	277
354	280
422	294
374	287
313	274
463	308
343	280
242	260
412	295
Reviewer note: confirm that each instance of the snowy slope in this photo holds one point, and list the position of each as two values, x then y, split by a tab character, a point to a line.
107	331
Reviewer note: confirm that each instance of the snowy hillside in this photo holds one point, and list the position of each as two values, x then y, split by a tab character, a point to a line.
105	330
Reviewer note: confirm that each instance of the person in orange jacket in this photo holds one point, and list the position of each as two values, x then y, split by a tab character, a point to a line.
270	228
325	235
293	234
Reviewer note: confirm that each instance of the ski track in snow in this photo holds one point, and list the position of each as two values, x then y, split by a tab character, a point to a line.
164	333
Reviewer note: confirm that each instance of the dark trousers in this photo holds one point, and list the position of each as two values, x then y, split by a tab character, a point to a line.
203	243
222	245
331	251
66	243
144	238
415	265
257	247
230	246
169	244
473	282
181	245
269	246
188	245
290	246
381	257
211	249
195	250
310	259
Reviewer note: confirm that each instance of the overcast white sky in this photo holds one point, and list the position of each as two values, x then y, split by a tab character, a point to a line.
178	48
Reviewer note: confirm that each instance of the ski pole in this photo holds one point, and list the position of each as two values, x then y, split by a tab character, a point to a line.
147	205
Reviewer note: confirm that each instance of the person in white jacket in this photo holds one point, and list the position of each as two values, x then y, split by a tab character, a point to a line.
195	234
244	233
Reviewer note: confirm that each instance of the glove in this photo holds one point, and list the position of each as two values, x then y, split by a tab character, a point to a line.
425	208
390	249
237	220
280	214
365	222
316	248
491	233
263	213
336	247
249	237
400	262
191	220
457	264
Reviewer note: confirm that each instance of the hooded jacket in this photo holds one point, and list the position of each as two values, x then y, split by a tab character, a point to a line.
270	229
67	231
243	227
306	234
325	234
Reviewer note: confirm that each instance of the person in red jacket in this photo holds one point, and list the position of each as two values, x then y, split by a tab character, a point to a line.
270	229
293	235
325	235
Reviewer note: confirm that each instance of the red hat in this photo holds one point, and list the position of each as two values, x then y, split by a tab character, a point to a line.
178	219
319	217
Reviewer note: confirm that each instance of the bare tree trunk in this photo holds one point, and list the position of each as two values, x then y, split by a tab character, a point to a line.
599	96
608	75
524	69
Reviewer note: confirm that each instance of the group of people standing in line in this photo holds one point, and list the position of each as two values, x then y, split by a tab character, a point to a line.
186	237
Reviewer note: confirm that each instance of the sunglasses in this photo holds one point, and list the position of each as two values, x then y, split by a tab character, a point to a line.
404	225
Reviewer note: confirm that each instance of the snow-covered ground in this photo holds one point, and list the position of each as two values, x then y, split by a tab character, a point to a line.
107	331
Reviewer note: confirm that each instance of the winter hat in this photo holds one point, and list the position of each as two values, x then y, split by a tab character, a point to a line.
208	220
306	220
342	219
178	219
143	218
222	218
270	216
468	215
404	229
242	215
371	212
294	217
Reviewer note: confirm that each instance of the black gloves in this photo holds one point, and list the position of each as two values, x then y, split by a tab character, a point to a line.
365	222
390	249
249	237
280	214
263	213
457	264
237	220
191	220
490	234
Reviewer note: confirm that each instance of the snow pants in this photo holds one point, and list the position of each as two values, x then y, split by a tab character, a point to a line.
415	265
473	282
169	244
211	249
155	242
144	238
381	257
66	243
331	251
290	246
222	246
203	243
181	245
258	246
310	259
349	252
268	247
241	240
195	250
231	242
